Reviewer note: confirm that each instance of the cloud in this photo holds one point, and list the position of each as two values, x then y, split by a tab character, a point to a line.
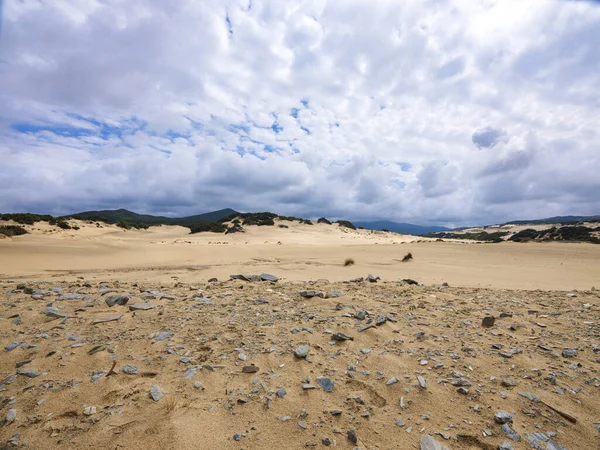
449	111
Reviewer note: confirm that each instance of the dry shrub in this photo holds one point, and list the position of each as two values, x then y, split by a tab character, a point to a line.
407	257
349	262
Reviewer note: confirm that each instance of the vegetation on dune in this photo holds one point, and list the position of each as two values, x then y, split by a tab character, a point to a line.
323	220
213	227
474	236
346	224
12	230
26	218
576	233
407	257
348	262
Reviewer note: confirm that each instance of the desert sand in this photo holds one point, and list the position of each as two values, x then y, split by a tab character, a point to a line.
191	364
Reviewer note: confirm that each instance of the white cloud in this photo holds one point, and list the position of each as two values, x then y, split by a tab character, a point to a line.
305	108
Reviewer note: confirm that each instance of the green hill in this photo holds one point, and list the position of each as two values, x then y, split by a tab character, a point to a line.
130	217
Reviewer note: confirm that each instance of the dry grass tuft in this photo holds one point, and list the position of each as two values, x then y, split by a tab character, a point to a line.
349	262
407	257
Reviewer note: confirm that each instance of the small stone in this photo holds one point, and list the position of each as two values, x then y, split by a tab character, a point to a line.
392	381
69	297
11	415
163	336
400	422
155	393
28	373
326	442
113	300
281	392
10	347
352	436
141	307
506	446
130	369
429	443
502	417
237	437
250	369
190	372
463	391
198	385
508	382
302	351
422	382
510	433
488	322
569	352
89	410
325	383
528	395
341	337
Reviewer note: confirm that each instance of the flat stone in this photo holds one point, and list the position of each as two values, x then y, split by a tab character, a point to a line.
107	318
422	382
325	383
302	351
506	446
130	369
11	415
163	336
569	352
29	373
89	410
69	297
250	369
113	300
155	393
352	436
400	422
268	277
429	443
141	307
510	433
502	417
10	347
528	395
341	337
391	381
190	372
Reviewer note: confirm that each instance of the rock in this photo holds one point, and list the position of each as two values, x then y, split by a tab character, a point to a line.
508	382
10	347
391	381
506	446
325	383
569	352
429	443
360	315
528	395
352	436
89	410
311	294
11	415
281	392
29	373
107	318
488	322
510	433
372	279
22	363
422	382
268	277
237	437
163	336
334	294
141	307
302	351
214	280
250	369
130	369
326	442
341	337
463	391
400	422
69	297
502	417
190	372
54	313
155	393
113	300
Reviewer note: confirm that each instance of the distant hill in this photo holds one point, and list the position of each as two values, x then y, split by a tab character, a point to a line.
123	215
403	228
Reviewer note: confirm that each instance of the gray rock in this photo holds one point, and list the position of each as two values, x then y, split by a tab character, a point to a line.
268	277
190	372
429	443
391	381
508	382
325	383
155	393
506	446
352	436
528	395
69	297
10	347
281	392
130	369
311	294
422	382
302	351
334	294
54	313
163	336
29	373
510	433
113	300
341	337
11	415
569	352
141	307
400	422
502	417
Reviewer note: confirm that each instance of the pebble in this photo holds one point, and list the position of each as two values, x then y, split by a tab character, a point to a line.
29	373
422	382
130	369
155	393
11	415
400	422
569	352
302	351
163	336
113	300
502	417
325	383
429	443
510	433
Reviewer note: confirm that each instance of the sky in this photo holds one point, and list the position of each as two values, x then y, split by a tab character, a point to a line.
451	112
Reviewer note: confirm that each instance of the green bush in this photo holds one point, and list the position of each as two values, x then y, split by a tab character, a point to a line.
202	227
63	224
12	230
26	218
323	220
346	224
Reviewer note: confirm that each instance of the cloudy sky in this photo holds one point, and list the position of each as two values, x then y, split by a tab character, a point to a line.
427	111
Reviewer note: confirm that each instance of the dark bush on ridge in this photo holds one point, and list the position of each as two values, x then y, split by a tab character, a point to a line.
346	224
26	218
202	227
63	224
323	220
12	230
